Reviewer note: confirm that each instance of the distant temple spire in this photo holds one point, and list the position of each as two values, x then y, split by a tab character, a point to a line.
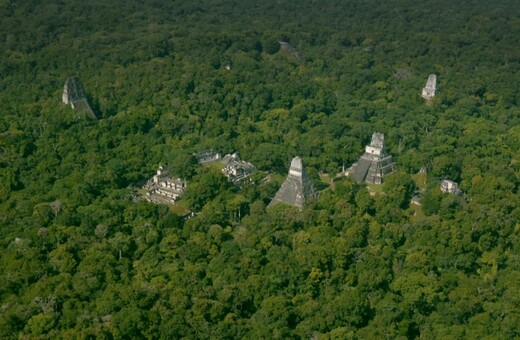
74	95
285	47
374	164
296	188
429	90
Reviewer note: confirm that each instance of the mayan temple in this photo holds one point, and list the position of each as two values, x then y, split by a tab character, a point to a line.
296	189
374	164
285	47
429	90
74	95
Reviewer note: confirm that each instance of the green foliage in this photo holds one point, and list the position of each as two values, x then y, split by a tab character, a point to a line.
81	259
208	183
181	163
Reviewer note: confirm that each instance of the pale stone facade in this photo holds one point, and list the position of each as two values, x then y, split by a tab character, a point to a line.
235	169
164	189
374	164
450	187
208	156
74	95
430	89
296	189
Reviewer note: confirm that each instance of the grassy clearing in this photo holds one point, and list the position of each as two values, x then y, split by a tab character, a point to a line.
327	180
420	180
375	188
180	207
416	213
218	165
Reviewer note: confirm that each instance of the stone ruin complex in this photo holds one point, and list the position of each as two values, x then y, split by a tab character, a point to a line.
235	169
374	164
164	189
207	156
429	90
450	187
296	189
74	95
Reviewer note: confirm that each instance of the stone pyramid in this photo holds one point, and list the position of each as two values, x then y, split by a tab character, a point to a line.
74	95
430	89
375	163
296	189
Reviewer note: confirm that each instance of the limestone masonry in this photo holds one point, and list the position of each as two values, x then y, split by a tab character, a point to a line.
164	189
450	187
296	189
235	169
374	164
429	90
74	95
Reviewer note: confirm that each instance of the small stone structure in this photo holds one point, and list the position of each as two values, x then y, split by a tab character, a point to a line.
374	164
74	95
207	156
429	90
450	187
296	189
235	169
416	199
164	189
287	48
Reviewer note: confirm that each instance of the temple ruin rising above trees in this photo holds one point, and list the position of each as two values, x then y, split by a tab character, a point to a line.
374	164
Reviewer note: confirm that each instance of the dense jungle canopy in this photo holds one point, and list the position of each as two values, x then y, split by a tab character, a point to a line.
81	259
